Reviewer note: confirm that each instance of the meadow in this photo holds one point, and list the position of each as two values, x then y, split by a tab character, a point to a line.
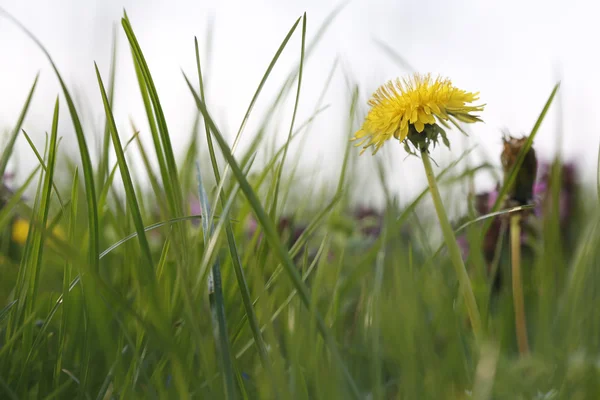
189	277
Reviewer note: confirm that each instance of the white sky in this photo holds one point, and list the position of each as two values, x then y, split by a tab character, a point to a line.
512	52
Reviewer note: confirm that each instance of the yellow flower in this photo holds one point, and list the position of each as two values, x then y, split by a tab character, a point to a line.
413	102
20	230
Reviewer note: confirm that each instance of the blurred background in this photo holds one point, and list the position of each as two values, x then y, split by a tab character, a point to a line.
512	52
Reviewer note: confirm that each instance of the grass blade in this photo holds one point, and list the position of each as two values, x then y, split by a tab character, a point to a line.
103	165
13	136
147	274
175	194
215	295
296	101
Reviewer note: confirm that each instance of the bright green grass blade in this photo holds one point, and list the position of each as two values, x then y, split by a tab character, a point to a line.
160	271
212	244
43	165
345	163
291	130
158	192
105	150
215	295
162	165
274	240
327	22
111	176
6	153
146	274
83	150
300	151
261	84
520	158
175	194
63	329
237	265
187	168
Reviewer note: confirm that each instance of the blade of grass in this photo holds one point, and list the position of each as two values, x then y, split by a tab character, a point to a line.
103	164
158	192
215	295
146	275
6	153
348	144
163	169
62	332
175	194
279	170
43	165
111	176
147	229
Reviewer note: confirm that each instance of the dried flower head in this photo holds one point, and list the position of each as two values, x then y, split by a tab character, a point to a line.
521	191
406	106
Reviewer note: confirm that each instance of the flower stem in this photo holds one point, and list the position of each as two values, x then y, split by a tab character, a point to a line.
517	284
453	249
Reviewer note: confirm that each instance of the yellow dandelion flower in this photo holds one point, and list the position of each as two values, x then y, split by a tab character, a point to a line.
20	230
415	102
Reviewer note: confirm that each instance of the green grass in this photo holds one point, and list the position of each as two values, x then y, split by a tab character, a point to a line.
109	296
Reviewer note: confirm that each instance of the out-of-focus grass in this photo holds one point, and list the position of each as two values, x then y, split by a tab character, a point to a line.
109	296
